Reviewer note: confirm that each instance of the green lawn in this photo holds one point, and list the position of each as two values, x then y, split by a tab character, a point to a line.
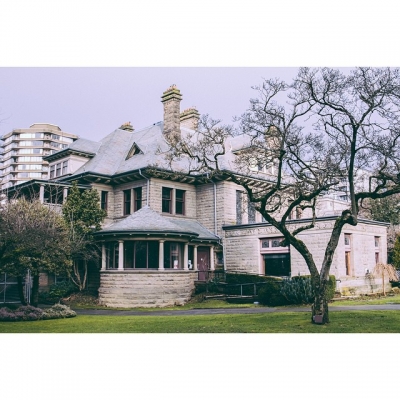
341	322
365	300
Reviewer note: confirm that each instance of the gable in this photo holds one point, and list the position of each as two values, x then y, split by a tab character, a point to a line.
135	149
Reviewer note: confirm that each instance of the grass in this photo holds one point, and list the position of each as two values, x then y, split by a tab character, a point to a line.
341	322
368	300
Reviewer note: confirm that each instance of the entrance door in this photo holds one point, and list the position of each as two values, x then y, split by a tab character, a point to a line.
203	262
277	264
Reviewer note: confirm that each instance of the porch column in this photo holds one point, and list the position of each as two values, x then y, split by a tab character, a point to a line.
41	194
65	194
212	266
121	255
195	257
161	255
103	257
186	257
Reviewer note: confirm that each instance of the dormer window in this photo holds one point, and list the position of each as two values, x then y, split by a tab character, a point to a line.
59	169
135	149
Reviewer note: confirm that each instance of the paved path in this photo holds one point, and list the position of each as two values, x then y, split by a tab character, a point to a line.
255	310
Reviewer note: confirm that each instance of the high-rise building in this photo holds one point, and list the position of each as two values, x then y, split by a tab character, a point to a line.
22	152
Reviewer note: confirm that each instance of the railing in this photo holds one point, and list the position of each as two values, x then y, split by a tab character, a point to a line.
206	276
237	289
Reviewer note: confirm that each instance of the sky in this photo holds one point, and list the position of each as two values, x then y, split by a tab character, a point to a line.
93	101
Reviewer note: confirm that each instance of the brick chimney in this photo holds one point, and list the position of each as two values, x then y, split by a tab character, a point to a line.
190	118
171	99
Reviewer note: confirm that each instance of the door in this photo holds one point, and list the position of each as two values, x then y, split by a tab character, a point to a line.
277	264
203	262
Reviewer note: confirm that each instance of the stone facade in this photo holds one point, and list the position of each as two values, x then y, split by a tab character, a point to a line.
214	218
146	288
243	252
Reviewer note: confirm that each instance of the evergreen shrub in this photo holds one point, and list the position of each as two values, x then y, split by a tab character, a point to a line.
30	313
269	294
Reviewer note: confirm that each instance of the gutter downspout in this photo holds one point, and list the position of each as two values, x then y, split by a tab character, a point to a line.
215	209
148	187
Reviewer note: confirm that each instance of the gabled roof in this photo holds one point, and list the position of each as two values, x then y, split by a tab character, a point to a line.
83	147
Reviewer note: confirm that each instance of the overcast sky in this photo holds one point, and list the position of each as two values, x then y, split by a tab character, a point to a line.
92	102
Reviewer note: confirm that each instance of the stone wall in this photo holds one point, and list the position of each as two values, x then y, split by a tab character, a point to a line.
156	186
243	252
146	288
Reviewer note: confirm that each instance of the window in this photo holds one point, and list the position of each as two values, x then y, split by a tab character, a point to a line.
64	167
238	207
173	201
377	242
166	200
58	169
137	193
52	171
276	257
251	210
30	135
180	202
127	201
347	253
141	254
104	200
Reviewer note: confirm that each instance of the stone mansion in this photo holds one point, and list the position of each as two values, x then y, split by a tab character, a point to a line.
164	232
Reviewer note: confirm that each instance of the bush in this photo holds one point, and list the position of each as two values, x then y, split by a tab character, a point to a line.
270	294
298	290
58	311
23	313
246	278
57	291
243	279
29	313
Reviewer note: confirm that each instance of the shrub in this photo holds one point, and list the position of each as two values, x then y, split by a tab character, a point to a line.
29	313
270	294
243	279
57	291
246	278
62	289
23	313
58	311
298	289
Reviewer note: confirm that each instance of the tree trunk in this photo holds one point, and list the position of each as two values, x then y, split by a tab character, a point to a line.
20	287
320	312
35	291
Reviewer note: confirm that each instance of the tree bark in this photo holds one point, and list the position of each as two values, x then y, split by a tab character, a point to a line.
20	287
35	291
319	310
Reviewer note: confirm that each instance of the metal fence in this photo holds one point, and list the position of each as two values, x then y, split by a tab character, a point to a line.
9	288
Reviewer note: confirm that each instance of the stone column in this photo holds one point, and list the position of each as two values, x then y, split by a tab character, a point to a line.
121	255
41	194
161	255
212	265
195	257
65	194
103	257
186	256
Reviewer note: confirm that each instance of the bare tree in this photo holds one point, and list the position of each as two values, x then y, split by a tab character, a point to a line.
323	128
